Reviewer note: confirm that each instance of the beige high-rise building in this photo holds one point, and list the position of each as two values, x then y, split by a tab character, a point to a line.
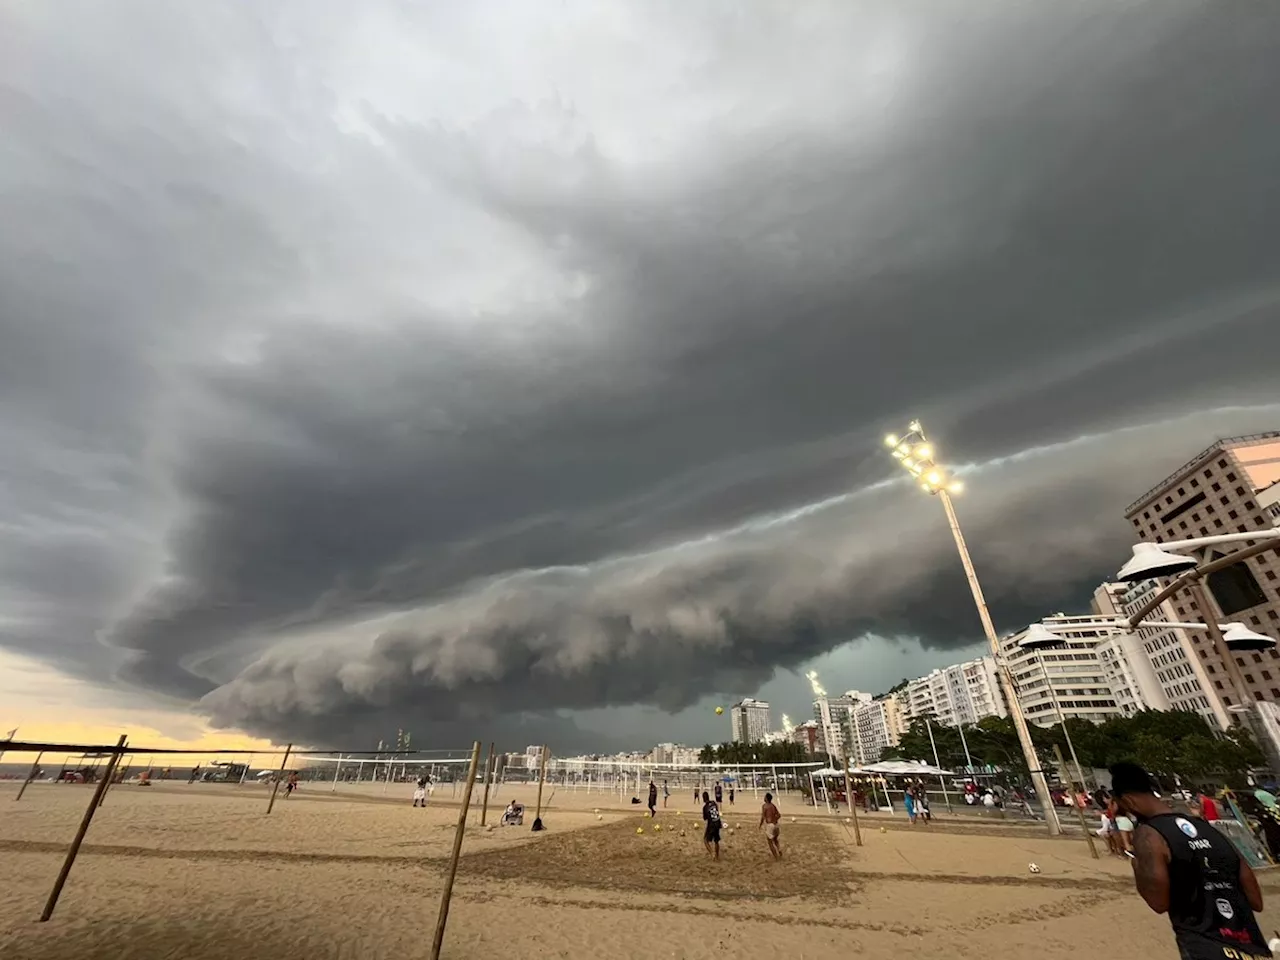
1074	669
1226	488
876	725
750	720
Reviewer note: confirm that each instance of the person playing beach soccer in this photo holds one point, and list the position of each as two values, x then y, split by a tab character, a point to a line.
770	820
711	814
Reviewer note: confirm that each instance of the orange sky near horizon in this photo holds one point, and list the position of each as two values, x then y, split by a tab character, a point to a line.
48	706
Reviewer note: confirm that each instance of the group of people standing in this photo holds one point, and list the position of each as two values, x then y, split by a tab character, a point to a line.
916	800
770	817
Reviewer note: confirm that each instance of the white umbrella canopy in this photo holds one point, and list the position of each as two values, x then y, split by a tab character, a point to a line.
906	768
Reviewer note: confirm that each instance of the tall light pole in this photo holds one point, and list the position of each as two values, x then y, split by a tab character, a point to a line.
916	455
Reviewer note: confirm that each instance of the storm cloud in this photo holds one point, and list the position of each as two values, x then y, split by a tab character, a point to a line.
456	368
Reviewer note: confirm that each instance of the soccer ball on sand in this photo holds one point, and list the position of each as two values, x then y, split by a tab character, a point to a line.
639	829
1033	867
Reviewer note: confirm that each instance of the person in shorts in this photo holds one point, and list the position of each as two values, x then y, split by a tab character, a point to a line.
711	814
771	820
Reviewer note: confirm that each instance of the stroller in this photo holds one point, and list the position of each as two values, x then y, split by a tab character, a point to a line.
513	816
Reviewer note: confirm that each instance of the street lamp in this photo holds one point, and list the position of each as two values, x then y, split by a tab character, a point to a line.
917	456
1153	560
1150	561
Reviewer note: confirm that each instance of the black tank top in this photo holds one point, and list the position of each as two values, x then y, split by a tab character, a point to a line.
1205	899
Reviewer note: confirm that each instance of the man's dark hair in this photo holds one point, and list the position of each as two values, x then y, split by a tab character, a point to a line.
768	798
705	797
1130	778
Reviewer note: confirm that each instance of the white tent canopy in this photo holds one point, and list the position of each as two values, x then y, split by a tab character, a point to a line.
905	768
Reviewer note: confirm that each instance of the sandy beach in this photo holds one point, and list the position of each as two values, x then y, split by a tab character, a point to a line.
200	871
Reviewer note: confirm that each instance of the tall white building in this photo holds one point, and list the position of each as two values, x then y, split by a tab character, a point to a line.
876	725
835	714
1156	668
961	693
1075	670
750	720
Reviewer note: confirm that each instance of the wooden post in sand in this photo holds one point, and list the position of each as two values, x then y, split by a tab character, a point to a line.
276	786
35	768
1088	834
112	780
853	807
542	778
84	828
488	776
438	941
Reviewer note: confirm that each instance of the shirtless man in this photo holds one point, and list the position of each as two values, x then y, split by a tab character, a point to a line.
770	819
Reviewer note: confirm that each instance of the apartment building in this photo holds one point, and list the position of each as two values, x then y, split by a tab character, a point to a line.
1074	670
750	720
961	693
877	725
1229	487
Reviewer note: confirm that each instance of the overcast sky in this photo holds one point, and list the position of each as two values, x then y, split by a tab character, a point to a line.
521	369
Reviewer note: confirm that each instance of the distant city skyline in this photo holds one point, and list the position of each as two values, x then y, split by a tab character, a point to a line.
505	390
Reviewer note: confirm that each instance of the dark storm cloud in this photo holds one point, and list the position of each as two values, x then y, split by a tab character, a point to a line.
512	379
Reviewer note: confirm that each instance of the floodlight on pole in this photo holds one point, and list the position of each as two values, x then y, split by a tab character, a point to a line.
918	457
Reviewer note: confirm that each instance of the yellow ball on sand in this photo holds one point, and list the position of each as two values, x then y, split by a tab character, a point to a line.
883	830
657	826
646	814
639	829
719	710
793	819
598	817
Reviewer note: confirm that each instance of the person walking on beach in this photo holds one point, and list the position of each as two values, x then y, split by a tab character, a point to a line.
653	799
711	814
771	820
420	793
909	802
666	794
292	785
731	794
719	794
1185	868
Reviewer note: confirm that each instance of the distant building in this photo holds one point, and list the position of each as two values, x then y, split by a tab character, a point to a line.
1229	487
877	725
961	693
750	720
1074	670
809	736
834	717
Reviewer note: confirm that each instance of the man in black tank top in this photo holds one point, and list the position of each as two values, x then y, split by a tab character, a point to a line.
1187	869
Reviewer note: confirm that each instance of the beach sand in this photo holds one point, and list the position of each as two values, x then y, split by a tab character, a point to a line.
200	871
